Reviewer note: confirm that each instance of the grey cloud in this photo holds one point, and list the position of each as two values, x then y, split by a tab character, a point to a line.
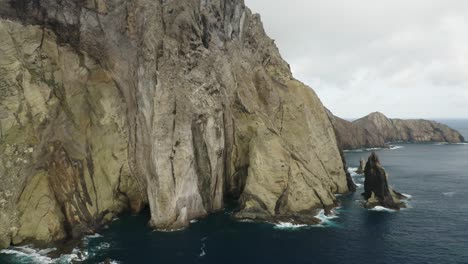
404	58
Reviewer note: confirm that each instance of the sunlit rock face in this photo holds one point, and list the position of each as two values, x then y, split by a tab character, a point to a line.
107	106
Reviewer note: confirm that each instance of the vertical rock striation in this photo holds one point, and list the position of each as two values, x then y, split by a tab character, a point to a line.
108	106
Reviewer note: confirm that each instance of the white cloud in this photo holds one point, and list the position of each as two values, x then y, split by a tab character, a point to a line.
403	58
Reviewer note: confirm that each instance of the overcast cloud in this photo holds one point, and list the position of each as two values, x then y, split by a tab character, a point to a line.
405	58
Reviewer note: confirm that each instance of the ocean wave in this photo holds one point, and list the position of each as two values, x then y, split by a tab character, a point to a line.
287	225
396	147
193	221
463	143
203	252
408	196
29	254
325	220
353	171
96	235
449	194
361	150
382	209
102	246
358	185
111	261
203	247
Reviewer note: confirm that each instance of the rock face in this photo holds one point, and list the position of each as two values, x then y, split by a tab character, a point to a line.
377	191
362	166
354	136
375	130
107	106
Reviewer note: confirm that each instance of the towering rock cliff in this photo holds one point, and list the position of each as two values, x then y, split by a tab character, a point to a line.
375	130
107	106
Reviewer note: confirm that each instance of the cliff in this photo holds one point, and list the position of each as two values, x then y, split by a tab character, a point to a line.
354	136
108	106
375	130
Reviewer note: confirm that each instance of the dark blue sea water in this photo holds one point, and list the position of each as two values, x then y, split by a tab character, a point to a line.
434	229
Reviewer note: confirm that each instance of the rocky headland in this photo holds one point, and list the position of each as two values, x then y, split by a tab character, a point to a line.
112	106
377	191
376	131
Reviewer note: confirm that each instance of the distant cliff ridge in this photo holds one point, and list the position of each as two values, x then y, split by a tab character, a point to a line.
376	130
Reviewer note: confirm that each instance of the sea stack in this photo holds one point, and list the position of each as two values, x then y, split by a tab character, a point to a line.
377	191
362	166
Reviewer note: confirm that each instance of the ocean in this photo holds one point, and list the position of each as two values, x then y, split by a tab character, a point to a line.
433	229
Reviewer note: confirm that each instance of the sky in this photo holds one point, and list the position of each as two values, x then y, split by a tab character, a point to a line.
404	58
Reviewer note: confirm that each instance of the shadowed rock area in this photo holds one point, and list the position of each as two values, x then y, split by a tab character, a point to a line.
110	106
376	130
377	191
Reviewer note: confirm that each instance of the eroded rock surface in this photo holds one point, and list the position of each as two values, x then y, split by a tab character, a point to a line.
353	136
377	191
108	106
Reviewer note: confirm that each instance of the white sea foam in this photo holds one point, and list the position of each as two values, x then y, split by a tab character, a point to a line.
203	252
449	194
103	245
359	185
325	220
362	150
193	221
463	143
29	254
396	147
96	235
353	171
408	196
382	209
287	225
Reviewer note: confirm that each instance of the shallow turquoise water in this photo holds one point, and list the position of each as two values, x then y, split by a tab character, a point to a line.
434	229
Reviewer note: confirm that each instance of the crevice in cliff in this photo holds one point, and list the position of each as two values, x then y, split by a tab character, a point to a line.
90	166
283	198
202	162
174	145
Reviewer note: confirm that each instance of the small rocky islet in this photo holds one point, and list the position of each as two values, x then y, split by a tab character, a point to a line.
109	107
377	190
